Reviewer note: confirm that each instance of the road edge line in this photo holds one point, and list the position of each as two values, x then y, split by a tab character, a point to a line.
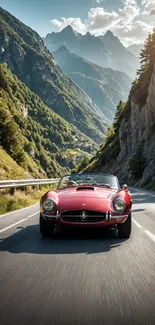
137	224
16	223
6	214
150	234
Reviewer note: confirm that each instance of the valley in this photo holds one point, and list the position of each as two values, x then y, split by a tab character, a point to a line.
82	101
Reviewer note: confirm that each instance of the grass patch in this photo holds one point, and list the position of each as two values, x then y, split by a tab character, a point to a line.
21	199
9	169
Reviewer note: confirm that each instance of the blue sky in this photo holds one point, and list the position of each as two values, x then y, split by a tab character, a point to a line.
130	20
38	13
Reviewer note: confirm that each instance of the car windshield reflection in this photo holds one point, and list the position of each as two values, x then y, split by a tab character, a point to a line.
94	179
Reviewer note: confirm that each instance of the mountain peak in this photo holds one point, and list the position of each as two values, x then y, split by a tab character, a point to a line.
88	33
109	33
68	29
111	39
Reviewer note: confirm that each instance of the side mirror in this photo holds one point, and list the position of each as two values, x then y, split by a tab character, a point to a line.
125	187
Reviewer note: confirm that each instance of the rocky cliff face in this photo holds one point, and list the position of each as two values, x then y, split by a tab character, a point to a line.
137	127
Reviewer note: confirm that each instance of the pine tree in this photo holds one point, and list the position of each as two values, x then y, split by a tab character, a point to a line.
152	48
4	84
146	54
119	110
84	163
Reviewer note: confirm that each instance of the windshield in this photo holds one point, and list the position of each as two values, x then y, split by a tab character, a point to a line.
100	180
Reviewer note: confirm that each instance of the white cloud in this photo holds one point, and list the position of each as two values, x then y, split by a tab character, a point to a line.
132	23
99	19
98	2
76	24
133	33
147	13
148	5
130	11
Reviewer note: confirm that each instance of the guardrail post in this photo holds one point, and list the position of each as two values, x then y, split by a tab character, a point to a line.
26	190
12	191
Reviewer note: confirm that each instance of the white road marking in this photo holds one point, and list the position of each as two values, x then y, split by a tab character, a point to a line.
6	214
147	232
150	234
137	224
16	223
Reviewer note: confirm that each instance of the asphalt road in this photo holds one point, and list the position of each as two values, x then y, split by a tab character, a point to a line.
78	277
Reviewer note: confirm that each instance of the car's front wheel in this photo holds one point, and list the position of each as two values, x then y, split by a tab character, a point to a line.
124	229
46	227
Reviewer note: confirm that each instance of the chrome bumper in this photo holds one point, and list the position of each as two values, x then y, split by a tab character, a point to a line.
108	216
51	216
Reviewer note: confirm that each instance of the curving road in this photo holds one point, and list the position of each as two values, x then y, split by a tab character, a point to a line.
81	277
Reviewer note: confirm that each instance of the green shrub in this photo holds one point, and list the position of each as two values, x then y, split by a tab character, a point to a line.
84	163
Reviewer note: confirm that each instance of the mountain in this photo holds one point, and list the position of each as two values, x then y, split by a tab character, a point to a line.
87	46
119	56
104	86
135	49
106	51
67	37
35	137
27	57
129	148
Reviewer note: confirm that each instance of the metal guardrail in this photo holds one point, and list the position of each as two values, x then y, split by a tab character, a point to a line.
27	182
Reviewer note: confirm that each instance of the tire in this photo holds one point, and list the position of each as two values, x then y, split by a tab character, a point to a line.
124	229
46	227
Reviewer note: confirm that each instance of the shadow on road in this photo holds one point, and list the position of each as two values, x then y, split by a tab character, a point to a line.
63	241
138	210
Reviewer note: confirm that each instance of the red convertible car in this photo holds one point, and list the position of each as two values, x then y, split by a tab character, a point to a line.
87	200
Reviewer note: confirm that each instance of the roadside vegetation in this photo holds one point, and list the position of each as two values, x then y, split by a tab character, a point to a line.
21	199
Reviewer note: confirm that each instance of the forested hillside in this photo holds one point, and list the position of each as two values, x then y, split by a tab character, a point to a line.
31	133
27	57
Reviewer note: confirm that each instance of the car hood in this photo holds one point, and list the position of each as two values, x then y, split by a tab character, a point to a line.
86	193
92	199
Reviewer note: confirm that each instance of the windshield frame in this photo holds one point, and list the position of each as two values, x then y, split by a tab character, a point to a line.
101	186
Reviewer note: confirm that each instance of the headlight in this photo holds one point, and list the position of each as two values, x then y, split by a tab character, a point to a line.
119	205
49	204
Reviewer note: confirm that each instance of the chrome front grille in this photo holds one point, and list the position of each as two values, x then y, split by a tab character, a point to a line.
82	216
